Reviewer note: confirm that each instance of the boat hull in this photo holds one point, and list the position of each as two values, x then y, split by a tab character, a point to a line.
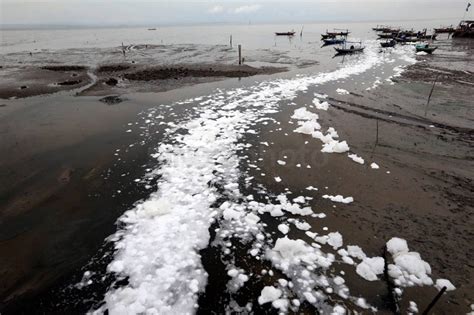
343	51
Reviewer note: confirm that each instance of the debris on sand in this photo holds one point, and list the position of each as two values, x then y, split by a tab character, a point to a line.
70	82
111	81
112	68
64	68
111	100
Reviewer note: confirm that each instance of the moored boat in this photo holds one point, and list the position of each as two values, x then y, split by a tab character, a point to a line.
425	36
336	32
442	30
465	29
387	35
390	43
333	41
385	29
354	48
345	51
326	36
285	33
425	48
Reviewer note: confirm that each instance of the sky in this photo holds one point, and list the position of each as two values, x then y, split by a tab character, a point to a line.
169	12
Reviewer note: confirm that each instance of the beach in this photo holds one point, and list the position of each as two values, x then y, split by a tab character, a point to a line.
211	168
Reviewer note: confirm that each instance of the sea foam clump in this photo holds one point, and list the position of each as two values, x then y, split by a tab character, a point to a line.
408	269
309	125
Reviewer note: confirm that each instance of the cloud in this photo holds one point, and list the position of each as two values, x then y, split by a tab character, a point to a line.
216	9
246	9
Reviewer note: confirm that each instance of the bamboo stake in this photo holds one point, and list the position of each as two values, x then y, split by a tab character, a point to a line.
432	304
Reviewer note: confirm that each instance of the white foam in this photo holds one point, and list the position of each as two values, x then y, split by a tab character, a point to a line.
320	105
370	268
339	198
283	228
342	91
440	283
335	239
408	269
356	158
269	294
374	166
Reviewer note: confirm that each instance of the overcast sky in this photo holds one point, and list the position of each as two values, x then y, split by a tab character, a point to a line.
159	12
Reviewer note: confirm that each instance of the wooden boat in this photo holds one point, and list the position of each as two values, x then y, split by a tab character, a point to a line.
285	33
326	36
424	36
465	29
344	33
386	29
379	28
354	48
333	41
406	39
152	29
331	35
387	35
387	44
425	48
351	50
408	33
442	30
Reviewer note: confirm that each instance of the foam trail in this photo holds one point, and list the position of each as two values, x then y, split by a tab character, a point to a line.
157	250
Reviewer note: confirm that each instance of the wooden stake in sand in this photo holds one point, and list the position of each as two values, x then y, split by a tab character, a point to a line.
430	306
240	54
431	93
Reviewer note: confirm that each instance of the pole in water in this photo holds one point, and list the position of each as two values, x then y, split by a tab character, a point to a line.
230	41
240	54
430	306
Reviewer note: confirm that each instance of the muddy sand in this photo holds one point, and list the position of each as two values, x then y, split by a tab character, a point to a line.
56	191
133	68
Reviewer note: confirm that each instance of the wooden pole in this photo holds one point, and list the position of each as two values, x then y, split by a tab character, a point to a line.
230	41
431	93
430	306
240	54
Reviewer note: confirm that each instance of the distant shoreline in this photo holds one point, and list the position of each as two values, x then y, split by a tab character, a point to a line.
21	27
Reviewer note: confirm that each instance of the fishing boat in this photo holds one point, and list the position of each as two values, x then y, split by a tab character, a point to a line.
333	41
335	32
425	36
326	36
292	33
386	29
425	48
410	33
338	32
465	29
379	28
390	43
387	35
405	39
444	30
356	47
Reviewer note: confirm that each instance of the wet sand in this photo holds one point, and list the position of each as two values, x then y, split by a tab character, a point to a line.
116	79
55	191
